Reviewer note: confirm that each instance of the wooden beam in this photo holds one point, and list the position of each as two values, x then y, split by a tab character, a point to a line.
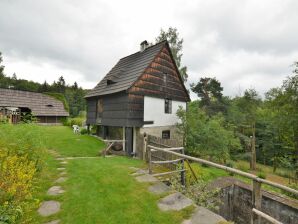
166	173
167	161
228	169
265	216
256	200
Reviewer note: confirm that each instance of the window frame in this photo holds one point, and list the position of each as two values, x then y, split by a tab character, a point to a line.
167	133
168	106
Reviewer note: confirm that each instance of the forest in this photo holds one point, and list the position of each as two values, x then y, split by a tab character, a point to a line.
247	127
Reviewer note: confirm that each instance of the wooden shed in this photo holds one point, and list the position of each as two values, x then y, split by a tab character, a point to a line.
141	93
14	103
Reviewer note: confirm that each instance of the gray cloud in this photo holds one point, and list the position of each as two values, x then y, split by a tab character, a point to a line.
243	43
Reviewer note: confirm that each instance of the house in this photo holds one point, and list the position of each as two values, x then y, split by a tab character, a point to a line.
141	93
15	103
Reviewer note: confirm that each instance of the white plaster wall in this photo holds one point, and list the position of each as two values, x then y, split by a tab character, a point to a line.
154	110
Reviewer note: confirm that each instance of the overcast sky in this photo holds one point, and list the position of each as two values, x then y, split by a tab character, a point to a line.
244	44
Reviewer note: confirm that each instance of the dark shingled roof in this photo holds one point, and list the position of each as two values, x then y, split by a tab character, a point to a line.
126	71
38	103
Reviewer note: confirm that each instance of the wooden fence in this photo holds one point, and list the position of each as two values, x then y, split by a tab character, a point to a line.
256	181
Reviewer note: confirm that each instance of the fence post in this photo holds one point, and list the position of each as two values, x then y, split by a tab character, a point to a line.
145	146
149	161
182	167
256	201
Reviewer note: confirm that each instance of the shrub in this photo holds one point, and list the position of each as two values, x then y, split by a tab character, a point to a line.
21	157
84	131
261	175
243	167
199	192
74	121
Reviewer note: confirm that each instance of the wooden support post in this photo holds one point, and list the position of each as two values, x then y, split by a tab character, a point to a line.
256	201
145	146
192	171
123	138
88	129
183	182
149	161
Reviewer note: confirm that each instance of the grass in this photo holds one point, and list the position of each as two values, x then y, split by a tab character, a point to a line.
62	139
102	191
98	190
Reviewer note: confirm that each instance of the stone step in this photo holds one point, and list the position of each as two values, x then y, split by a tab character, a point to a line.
176	201
202	215
48	208
159	188
146	178
54	222
55	190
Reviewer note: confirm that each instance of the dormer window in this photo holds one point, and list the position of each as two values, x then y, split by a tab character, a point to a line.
110	82
168	106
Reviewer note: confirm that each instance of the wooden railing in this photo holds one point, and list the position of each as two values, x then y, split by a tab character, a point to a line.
256	184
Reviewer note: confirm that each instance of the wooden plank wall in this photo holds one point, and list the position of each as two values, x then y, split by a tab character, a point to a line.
160	79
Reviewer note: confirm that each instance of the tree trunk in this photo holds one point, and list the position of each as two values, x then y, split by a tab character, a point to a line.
253	148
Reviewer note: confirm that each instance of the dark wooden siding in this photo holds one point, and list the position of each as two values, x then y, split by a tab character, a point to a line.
91	110
161	79
119	109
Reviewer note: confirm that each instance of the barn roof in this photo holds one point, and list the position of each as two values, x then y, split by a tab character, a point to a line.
128	69
40	104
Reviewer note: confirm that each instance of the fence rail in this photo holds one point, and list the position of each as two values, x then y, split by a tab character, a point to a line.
256	192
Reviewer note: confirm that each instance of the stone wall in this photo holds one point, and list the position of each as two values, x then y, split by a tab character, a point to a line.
237	205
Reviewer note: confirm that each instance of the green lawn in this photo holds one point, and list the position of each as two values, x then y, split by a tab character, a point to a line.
62	139
98	190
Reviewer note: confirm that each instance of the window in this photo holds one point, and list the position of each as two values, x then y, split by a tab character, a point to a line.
168	106
166	134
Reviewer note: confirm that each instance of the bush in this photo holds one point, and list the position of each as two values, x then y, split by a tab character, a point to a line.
199	192
21	158
84	131
261	175
243	156
74	121
243	167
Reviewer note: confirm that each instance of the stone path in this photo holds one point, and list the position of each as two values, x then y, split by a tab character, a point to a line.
55	190
176	201
48	208
204	216
159	188
51	207
54	222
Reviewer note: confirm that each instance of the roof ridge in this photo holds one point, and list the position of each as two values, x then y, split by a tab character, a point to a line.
145	49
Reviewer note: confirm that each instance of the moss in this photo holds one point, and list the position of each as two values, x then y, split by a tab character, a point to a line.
60	97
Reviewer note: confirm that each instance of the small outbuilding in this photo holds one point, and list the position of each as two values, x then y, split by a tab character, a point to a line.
141	93
16	103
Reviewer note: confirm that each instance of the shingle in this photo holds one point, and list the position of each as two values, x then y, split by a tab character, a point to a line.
126	71
36	102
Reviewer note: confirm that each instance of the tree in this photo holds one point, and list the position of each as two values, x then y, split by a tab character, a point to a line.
206	136
243	114
75	86
209	91
176	45
1	67
61	85
45	87
283	102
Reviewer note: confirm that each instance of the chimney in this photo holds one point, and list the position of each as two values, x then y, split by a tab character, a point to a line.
143	45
